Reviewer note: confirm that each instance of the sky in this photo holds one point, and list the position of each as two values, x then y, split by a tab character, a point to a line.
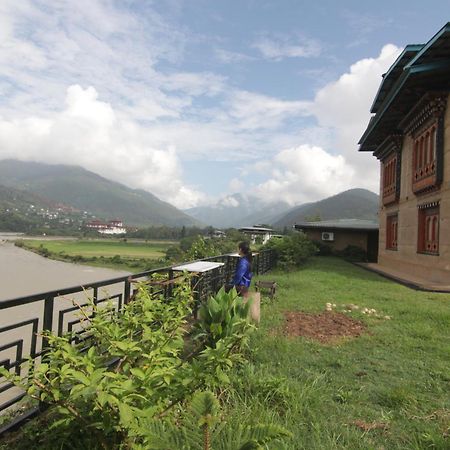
193	100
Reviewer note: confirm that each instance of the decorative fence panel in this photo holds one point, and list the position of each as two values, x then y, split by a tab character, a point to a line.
22	320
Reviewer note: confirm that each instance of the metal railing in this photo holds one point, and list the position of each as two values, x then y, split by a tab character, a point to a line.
22	320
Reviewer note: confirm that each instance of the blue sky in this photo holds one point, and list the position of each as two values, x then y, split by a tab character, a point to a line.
197	99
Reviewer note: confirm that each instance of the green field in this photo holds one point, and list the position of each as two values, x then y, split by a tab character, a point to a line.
133	256
387	389
105	248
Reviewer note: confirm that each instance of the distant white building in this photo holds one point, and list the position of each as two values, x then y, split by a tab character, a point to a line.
111	227
254	232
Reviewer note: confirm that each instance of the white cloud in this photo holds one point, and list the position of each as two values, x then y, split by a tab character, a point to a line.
229	202
236	185
308	172
283	46
44	49
194	84
343	107
88	132
144	115
256	111
228	57
304	174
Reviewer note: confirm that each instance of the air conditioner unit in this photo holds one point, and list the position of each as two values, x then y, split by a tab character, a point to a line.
327	236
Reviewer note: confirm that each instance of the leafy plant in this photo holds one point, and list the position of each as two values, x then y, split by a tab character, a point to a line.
353	253
222	316
202	427
135	370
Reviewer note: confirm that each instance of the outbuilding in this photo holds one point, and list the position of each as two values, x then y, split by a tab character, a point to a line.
341	233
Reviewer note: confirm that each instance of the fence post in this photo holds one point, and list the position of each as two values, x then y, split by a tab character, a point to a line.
126	291
170	285
48	318
47	325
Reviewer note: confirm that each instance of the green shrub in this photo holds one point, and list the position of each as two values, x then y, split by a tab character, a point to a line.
323	249
136	376
292	250
221	316
353	253
43	251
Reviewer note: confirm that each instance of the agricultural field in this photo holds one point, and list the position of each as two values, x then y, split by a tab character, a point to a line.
365	361
118	254
106	248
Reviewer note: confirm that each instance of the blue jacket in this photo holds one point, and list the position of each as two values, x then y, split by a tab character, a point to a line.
242	276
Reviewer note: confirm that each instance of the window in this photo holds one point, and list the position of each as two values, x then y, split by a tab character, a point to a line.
391	232
428	241
390	180
424	159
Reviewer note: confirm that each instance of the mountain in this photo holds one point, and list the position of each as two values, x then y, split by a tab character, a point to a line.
238	210
351	204
78	188
15	199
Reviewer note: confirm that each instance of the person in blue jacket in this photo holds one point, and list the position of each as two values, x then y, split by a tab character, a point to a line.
243	275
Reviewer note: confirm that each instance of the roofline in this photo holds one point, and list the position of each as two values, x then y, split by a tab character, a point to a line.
408	48
312	226
255	229
335	227
399	84
444	29
407	71
402	80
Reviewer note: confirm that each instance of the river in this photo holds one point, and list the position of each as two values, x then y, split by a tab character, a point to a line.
24	273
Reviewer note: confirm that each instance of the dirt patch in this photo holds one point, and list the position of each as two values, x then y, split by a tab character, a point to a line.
366	426
326	327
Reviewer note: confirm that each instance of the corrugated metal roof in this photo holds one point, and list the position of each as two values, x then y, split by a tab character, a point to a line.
348	224
256	229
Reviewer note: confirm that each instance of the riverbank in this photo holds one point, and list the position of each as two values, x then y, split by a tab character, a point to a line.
25	273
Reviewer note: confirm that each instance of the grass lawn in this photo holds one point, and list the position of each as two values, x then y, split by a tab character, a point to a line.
387	389
105	248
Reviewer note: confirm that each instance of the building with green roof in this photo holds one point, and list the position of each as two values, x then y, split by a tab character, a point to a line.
409	133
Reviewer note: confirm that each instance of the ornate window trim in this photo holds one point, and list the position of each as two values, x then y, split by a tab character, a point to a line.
389	152
425	125
428	228
391	231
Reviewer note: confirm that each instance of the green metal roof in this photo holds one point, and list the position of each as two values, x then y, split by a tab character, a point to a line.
392	75
342	224
427	69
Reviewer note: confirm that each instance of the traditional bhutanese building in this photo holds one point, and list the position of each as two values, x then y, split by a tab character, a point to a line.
409	134
112	227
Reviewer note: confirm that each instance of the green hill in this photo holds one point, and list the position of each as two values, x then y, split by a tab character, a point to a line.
78	188
351	204
18	209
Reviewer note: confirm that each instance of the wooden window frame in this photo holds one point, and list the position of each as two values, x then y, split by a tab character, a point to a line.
390	179
428	232
425	159
392	232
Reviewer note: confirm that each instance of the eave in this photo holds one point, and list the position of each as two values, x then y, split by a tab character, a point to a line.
429	69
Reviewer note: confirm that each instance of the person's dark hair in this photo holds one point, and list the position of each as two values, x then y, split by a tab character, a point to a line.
244	247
